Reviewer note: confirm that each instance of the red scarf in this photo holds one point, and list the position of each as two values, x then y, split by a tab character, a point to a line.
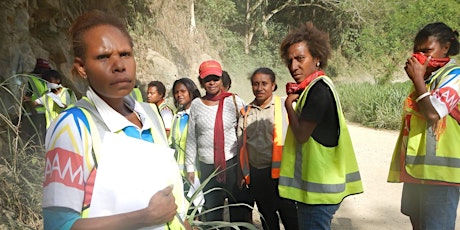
219	142
434	62
292	87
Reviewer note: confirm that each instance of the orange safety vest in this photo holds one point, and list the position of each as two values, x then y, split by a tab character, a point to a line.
281	123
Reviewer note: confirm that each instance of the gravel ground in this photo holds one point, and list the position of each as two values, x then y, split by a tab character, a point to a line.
378	207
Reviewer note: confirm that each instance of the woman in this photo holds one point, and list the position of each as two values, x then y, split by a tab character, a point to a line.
318	168
57	99
184	91
80	138
212	136
427	152
262	127
156	92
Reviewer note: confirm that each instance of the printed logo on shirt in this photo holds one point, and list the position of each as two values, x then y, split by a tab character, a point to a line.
448	96
64	167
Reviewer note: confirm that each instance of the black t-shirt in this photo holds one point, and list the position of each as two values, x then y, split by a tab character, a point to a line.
320	108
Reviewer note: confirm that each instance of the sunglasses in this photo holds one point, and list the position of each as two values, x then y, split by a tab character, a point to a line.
211	78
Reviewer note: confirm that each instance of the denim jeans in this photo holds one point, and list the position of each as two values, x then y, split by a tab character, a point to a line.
430	206
316	217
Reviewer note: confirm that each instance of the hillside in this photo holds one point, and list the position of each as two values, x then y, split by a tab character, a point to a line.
165	51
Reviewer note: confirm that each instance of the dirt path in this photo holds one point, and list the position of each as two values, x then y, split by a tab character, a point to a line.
378	207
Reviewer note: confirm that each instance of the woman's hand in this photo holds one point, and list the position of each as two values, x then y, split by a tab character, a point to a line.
242	183
191	177
162	207
416	71
290	99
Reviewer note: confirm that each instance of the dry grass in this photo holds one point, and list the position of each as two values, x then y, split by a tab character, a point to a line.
21	165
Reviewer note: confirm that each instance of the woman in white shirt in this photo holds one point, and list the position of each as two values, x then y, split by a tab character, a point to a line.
212	137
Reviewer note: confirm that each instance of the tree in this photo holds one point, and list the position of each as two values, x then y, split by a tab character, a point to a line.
253	20
260	12
192	18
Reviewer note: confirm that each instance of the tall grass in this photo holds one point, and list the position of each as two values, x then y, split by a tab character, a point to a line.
21	162
374	105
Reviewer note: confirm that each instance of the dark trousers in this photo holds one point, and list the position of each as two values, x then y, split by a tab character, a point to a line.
221	191
264	189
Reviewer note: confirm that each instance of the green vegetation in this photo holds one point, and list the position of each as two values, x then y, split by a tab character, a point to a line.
372	37
21	164
374	105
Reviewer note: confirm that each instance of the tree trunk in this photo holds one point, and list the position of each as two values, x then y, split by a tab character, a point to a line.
192	18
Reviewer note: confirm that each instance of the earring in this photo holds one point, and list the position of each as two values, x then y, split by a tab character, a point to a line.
317	64
84	76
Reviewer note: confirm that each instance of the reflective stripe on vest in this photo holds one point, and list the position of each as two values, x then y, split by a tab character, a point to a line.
279	133
427	155
98	127
314	174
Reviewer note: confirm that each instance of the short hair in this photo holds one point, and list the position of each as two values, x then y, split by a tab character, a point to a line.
443	34
88	21
51	74
267	71
160	87
226	80
191	88
317	42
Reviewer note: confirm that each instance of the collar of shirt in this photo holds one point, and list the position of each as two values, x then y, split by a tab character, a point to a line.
114	120
252	104
182	112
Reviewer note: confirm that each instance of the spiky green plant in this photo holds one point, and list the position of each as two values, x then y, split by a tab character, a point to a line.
195	216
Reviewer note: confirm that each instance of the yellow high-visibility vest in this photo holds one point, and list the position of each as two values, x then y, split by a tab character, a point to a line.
137	94
440	163
177	141
98	127
52	110
314	174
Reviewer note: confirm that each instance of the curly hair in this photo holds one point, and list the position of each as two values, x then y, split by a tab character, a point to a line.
316	40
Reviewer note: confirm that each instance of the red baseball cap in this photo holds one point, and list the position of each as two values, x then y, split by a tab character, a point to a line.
210	67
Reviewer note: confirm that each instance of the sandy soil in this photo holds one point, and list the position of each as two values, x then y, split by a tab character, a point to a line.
378	207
